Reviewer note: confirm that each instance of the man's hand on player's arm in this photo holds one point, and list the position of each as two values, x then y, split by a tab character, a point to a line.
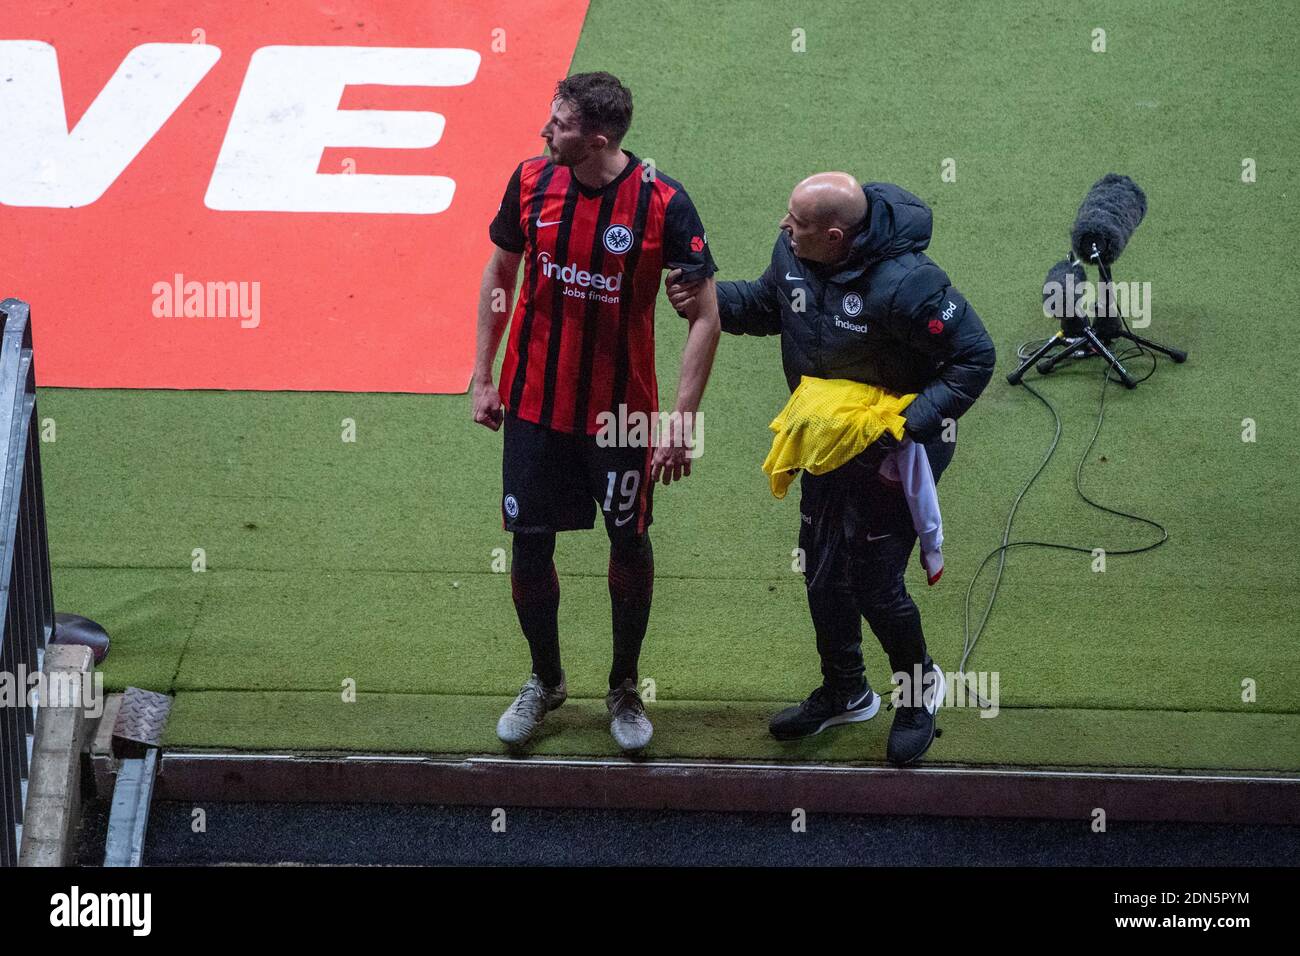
682	295
672	456
495	297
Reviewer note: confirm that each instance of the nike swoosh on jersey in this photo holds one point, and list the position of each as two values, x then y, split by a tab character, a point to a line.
794	278
540	224
877	537
619	522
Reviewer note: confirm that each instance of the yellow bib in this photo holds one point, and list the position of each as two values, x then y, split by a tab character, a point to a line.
826	423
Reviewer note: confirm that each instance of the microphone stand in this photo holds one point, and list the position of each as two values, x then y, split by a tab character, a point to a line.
1091	341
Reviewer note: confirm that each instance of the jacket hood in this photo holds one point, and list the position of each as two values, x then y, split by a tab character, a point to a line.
897	222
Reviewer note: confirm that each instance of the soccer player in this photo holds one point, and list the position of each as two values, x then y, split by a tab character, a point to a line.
594	228
853	296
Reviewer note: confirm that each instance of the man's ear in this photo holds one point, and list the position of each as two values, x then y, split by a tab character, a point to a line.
599	142
835	234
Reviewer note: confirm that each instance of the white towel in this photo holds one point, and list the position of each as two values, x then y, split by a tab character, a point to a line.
909	466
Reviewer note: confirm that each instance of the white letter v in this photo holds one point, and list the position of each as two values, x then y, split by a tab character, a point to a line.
43	164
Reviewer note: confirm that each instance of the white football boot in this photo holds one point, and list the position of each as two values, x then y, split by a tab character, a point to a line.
522	718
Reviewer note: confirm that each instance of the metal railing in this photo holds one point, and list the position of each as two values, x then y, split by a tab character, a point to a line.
26	597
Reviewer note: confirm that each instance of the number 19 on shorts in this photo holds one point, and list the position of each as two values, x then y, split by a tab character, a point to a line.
627	488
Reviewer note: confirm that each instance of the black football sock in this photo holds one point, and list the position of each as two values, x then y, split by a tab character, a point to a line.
536	590
631	586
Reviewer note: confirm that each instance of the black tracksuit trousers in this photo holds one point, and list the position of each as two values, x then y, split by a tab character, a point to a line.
856	535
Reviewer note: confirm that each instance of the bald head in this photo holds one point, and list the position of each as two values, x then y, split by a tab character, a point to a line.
830	199
826	210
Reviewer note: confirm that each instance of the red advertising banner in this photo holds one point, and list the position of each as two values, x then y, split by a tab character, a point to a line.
264	196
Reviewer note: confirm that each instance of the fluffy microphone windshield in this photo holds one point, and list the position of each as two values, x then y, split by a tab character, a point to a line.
1107	218
1065	297
1061	289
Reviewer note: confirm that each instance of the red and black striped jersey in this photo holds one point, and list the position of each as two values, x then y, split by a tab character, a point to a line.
582	336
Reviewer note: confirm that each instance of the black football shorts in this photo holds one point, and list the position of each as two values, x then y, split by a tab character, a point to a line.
554	481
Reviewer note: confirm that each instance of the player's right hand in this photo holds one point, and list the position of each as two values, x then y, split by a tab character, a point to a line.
486	403
681	296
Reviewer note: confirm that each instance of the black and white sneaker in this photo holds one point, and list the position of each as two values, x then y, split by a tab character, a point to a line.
823	709
914	726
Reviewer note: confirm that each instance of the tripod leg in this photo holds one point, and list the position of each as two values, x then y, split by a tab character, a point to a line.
1014	377
1071	346
1178	355
1106	353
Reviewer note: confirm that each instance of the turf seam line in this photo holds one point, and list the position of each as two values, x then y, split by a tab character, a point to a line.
601	575
194	626
396	571
505	695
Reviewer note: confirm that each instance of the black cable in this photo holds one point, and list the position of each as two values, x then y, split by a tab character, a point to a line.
1024	352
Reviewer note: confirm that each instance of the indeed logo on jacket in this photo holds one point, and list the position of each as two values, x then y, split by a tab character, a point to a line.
886	316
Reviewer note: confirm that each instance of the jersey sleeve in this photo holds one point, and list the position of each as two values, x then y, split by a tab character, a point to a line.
505	230
685	245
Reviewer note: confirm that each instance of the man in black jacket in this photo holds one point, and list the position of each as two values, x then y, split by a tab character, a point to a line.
853	296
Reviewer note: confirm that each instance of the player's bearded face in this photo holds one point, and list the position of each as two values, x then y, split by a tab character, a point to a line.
565	141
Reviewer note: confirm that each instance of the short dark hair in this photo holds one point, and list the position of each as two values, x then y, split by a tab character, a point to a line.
603	104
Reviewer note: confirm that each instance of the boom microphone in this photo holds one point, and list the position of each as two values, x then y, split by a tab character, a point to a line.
1107	219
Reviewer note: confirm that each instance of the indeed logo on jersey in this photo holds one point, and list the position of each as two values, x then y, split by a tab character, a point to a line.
580	284
852	327
571	275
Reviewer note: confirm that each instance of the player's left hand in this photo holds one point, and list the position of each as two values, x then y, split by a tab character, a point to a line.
672	463
672	459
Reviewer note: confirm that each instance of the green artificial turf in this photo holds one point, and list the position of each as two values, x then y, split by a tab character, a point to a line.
453	724
374	561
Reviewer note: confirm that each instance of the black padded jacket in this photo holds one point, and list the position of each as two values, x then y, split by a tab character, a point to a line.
886	316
